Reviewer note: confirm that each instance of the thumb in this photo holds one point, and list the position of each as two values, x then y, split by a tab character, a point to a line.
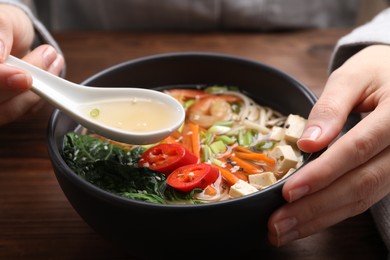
328	115
323	125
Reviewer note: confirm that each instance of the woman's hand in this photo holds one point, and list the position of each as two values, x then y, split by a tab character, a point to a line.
14	83
16	32
354	172
16	37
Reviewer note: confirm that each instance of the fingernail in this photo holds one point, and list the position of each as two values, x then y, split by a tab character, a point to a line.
2	51
285	230
17	81
49	56
57	65
285	225
289	237
311	133
298	193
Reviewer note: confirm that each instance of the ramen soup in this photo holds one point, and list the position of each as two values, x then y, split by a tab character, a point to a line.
228	147
135	115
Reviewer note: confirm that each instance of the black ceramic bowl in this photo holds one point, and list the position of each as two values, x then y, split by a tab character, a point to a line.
234	226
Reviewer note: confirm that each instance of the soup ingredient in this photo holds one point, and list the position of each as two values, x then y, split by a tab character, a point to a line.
248	154
113	168
241	188
262	180
130	182
80	150
294	128
250	149
245	165
134	115
230	177
184	95
193	176
195	139
210	109
94	113
165	158
285	157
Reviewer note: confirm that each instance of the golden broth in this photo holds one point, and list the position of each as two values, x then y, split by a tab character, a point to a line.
133	115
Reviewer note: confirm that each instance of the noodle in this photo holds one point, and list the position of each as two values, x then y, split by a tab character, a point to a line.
235	134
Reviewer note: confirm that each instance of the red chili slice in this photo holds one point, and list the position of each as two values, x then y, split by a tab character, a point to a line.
165	158
193	176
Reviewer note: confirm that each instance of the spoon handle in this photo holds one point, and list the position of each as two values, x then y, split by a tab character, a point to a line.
45	84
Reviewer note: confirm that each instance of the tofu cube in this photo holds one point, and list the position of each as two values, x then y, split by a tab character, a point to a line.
241	188
293	128
277	133
285	158
262	180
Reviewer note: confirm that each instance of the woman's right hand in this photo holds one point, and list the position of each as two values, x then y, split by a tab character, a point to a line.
16	38
353	173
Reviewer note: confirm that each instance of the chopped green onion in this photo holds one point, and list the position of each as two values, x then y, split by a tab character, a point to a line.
245	138
207	137
217	162
218	147
206	153
265	145
215	89
220	89
226	139
248	138
240	137
218	130
94	112
180	130
189	103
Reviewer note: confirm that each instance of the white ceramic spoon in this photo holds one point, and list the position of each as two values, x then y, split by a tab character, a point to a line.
70	98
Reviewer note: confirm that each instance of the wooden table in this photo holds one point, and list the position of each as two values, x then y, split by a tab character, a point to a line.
36	220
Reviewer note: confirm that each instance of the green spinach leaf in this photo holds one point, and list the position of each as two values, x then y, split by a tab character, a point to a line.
114	169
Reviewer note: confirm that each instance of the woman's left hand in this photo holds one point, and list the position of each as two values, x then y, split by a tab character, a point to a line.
353	173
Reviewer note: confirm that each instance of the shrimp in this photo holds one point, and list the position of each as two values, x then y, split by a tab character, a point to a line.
185	94
211	108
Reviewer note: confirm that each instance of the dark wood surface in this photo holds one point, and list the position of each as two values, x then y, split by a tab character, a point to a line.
37	221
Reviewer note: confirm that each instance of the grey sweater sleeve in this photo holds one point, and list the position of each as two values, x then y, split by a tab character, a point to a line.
373	32
41	32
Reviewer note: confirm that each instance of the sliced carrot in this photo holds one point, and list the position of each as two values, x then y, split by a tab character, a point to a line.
195	139
241	175
239	148
238	173
255	157
228	175
186	137
248	167
176	135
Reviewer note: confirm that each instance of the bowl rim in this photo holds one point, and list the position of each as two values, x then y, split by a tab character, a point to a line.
188	54
95	191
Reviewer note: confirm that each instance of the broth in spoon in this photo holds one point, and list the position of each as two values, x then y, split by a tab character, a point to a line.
134	115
